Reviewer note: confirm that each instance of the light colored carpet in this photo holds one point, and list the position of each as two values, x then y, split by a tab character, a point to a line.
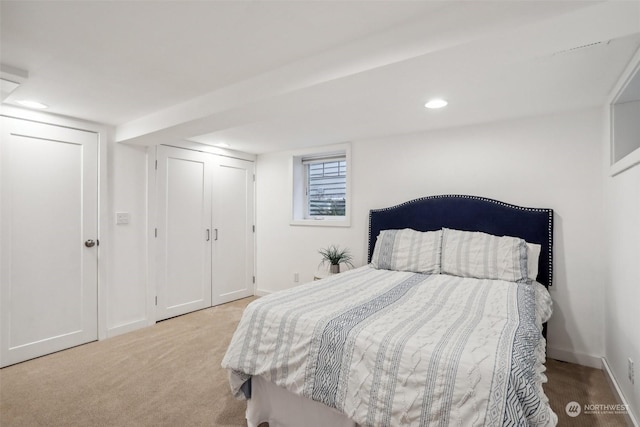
169	375
165	375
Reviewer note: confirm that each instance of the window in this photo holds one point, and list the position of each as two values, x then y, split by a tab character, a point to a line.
624	123
321	188
326	187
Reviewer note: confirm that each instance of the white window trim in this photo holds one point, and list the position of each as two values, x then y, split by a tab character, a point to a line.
633	158
297	196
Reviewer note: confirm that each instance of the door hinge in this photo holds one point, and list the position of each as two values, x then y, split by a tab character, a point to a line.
254	228
156	232
156	300
254	279
156	165
254	177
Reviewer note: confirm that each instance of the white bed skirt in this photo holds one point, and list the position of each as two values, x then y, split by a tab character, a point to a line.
281	408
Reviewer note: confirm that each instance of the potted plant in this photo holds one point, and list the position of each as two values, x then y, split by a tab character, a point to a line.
335	256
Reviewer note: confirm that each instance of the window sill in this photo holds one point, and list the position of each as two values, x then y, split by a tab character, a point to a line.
625	163
321	222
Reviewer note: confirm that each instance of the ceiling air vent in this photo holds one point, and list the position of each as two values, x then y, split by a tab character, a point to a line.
584	46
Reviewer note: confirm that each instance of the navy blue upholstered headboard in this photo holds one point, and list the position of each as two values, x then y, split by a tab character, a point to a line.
471	213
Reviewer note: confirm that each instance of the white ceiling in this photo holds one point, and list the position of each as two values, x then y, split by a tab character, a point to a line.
271	75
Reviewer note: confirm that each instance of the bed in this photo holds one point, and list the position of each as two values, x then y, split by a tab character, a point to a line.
444	326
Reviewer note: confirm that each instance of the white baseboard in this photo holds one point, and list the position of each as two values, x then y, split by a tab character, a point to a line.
573	357
262	292
615	388
127	327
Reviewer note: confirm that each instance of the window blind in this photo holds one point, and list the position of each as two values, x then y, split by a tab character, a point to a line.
326	186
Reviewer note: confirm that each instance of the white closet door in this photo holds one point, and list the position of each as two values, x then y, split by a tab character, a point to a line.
49	210
184	231
233	218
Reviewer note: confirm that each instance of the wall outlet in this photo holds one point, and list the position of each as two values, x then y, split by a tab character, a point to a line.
631	371
296	277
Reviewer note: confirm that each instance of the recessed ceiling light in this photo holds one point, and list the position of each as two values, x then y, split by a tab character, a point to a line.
222	144
436	103
32	104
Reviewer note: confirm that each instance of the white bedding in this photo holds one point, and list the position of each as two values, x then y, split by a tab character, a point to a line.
399	348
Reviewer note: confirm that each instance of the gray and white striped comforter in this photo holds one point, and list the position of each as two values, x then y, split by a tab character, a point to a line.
398	348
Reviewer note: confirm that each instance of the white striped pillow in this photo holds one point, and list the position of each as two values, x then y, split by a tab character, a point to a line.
408	250
483	256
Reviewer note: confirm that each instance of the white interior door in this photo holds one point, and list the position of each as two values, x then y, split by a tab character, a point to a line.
184	231
49	209
233	219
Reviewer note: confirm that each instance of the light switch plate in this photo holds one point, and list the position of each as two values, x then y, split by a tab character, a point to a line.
122	218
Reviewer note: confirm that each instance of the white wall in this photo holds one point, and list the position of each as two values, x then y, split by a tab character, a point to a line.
126	291
550	161
622	280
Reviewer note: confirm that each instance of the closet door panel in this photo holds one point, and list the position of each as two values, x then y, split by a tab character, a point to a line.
184	232
233	216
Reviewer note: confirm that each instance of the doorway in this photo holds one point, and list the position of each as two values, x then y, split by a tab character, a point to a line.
49	239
